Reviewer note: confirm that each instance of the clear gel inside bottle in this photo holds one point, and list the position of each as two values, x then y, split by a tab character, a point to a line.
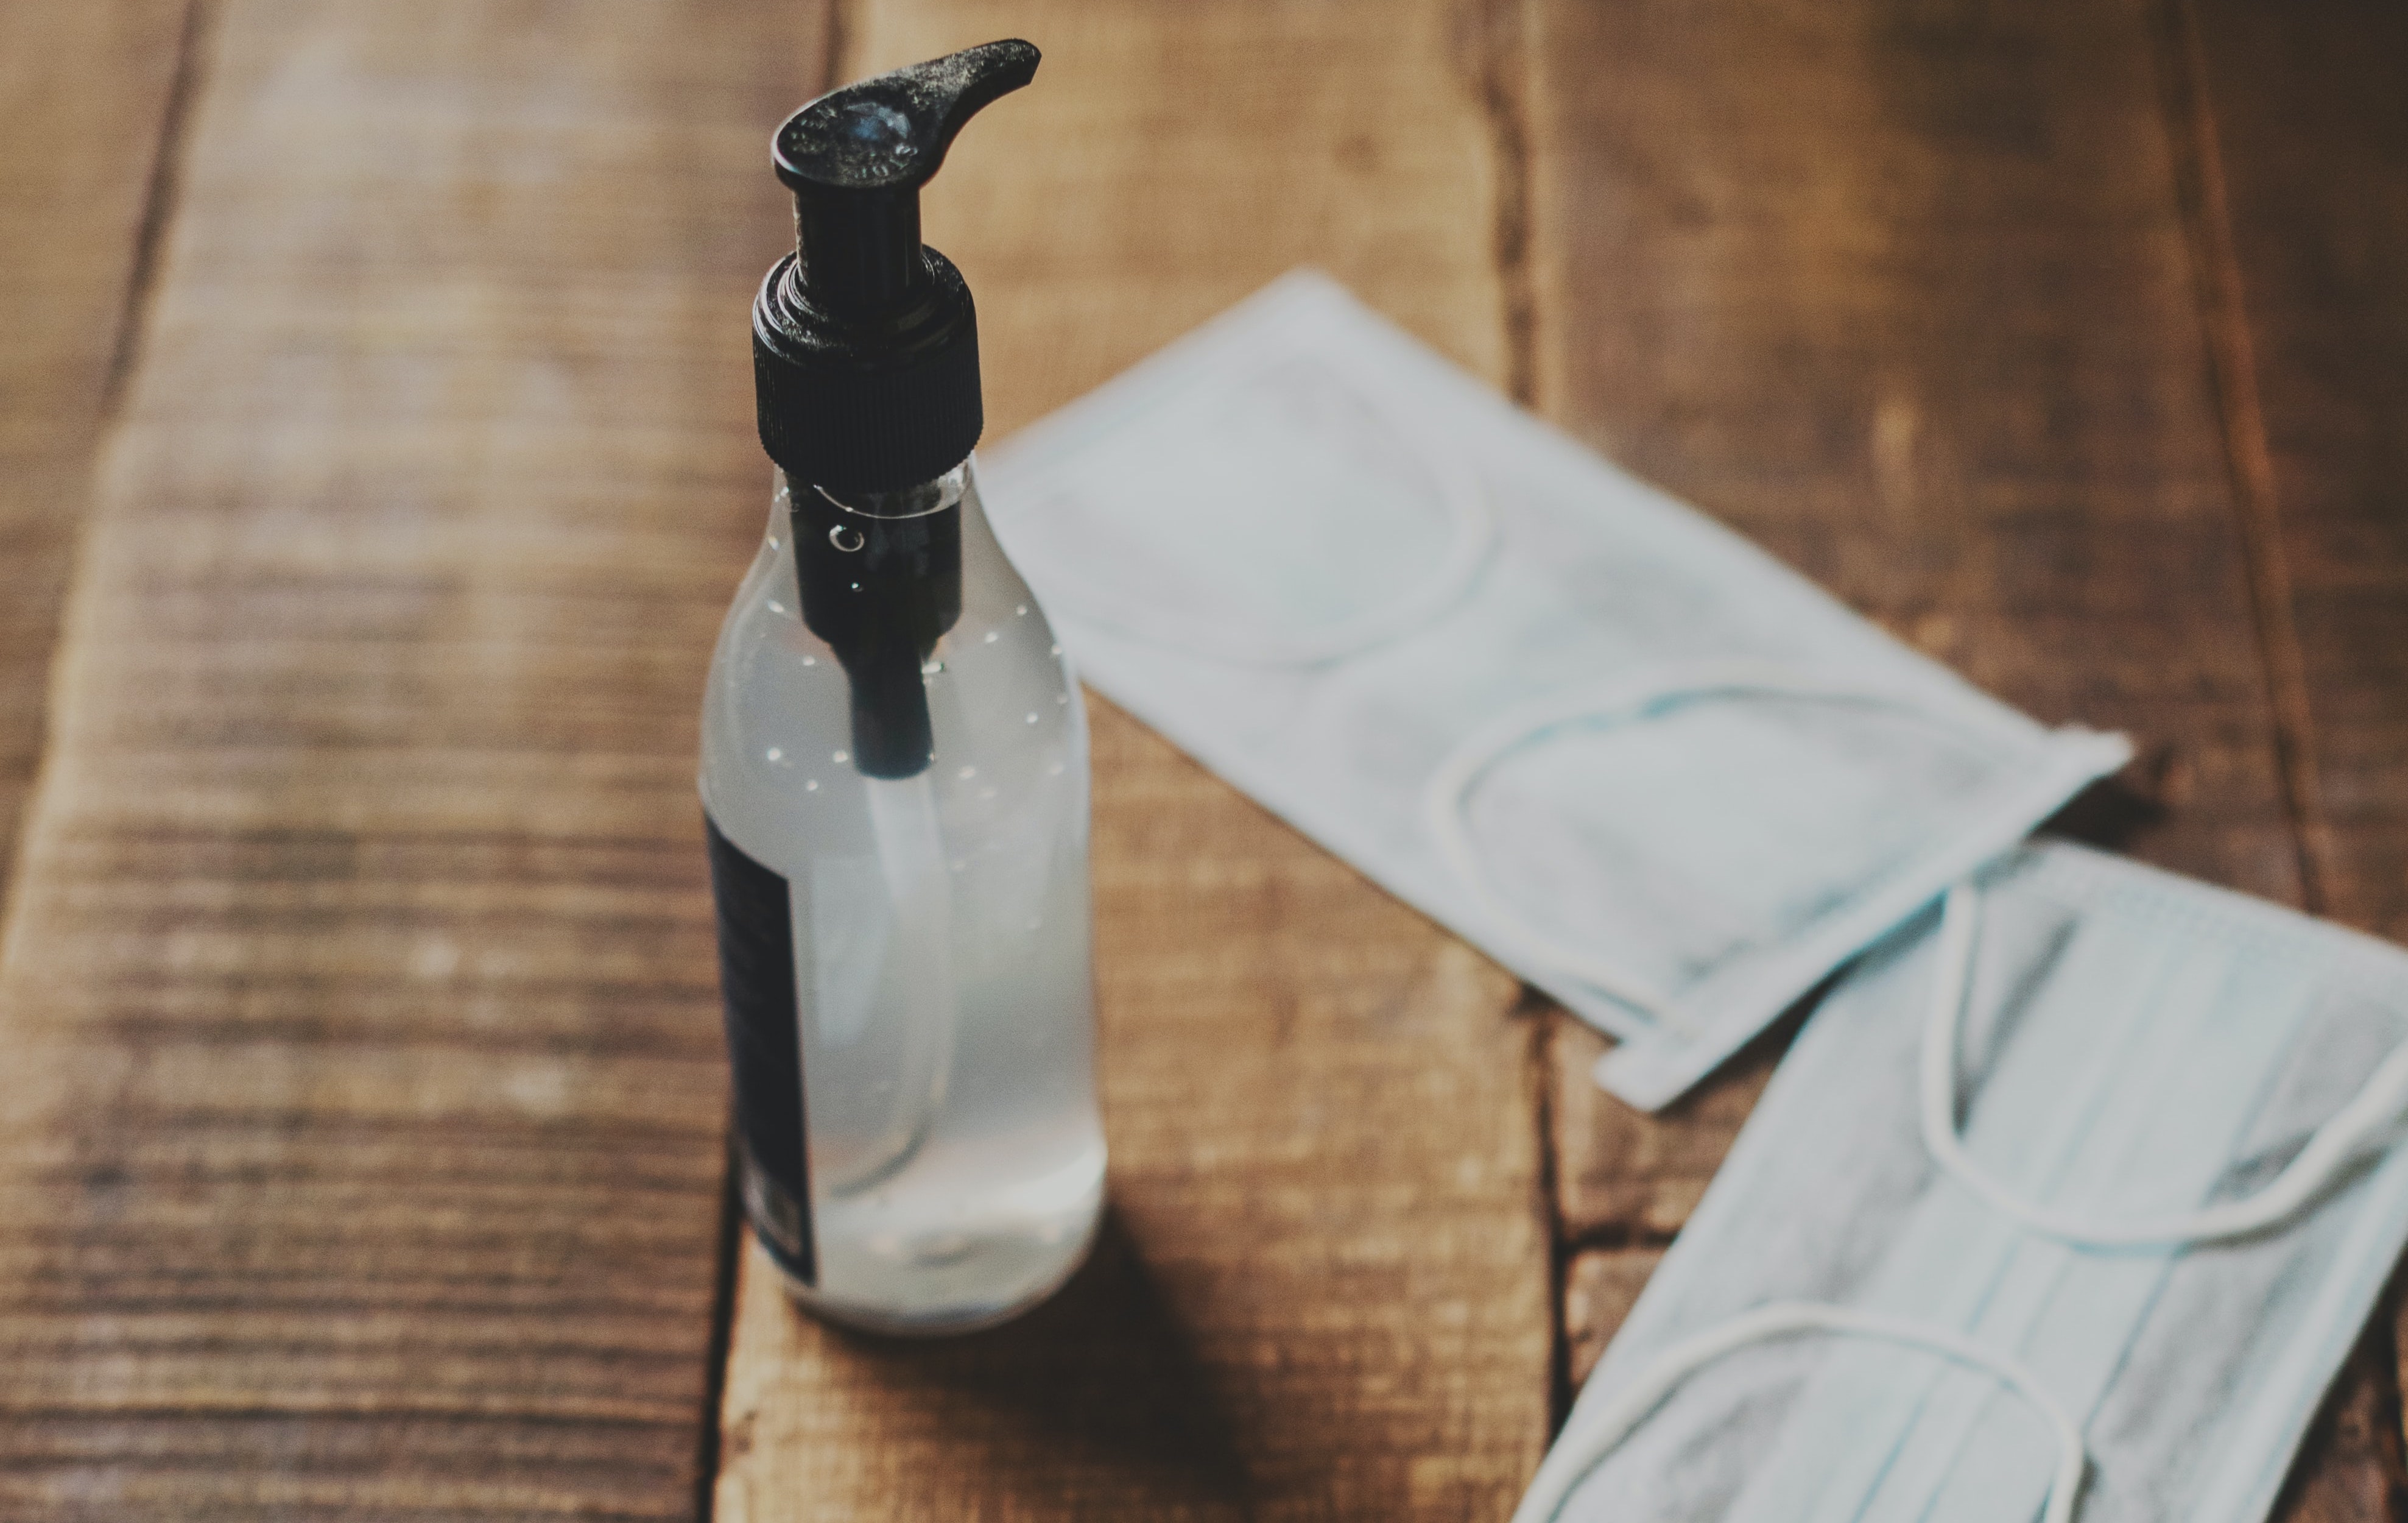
945	1169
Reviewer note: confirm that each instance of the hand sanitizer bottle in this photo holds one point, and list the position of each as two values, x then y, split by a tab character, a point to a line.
894	776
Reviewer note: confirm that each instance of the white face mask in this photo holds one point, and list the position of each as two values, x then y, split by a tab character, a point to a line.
1649	768
2166	1216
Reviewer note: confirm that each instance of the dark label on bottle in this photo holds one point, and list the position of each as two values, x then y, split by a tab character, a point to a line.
756	987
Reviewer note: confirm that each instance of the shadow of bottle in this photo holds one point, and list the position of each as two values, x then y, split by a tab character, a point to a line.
1094	1402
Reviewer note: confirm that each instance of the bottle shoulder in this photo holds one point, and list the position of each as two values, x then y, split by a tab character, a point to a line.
1007	723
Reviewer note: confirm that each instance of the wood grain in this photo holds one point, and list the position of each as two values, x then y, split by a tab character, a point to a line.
85	94
1325	1289
2309	204
2349	1470
1903	292
361	1148
2300	197
1623	1177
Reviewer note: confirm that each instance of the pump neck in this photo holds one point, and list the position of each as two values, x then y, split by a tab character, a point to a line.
859	254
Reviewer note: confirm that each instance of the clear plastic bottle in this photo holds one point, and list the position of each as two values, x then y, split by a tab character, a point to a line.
944	1167
895	773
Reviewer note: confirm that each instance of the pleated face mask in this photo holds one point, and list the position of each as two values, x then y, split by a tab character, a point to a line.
1643	765
2075	1194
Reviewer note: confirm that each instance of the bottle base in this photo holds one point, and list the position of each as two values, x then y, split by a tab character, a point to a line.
941	1323
929	1273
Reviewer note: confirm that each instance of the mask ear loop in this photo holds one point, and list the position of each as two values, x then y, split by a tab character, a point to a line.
1584	1447
1443	799
2349	1133
1471	535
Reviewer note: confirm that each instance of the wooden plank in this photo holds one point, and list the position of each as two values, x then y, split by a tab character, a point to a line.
85	91
1623	1176
2309	248
1908	304
1906	301
1600	1285
2349	1470
1324	1291
1906	295
2300	195
362	1151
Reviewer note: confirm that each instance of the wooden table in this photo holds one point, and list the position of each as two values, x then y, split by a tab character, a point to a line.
376	460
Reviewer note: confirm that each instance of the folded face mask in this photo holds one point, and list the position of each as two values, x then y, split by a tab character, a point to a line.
1646	767
2073	1193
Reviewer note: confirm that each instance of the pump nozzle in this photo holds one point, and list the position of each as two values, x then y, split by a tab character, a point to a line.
857	158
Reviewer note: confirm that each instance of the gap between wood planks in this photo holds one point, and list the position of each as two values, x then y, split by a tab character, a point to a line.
1504	94
160	199
2233	379
1539	1073
1505	98
2201	196
708	1438
160	195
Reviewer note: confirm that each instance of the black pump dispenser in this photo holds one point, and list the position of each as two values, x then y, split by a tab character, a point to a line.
865	364
865	342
